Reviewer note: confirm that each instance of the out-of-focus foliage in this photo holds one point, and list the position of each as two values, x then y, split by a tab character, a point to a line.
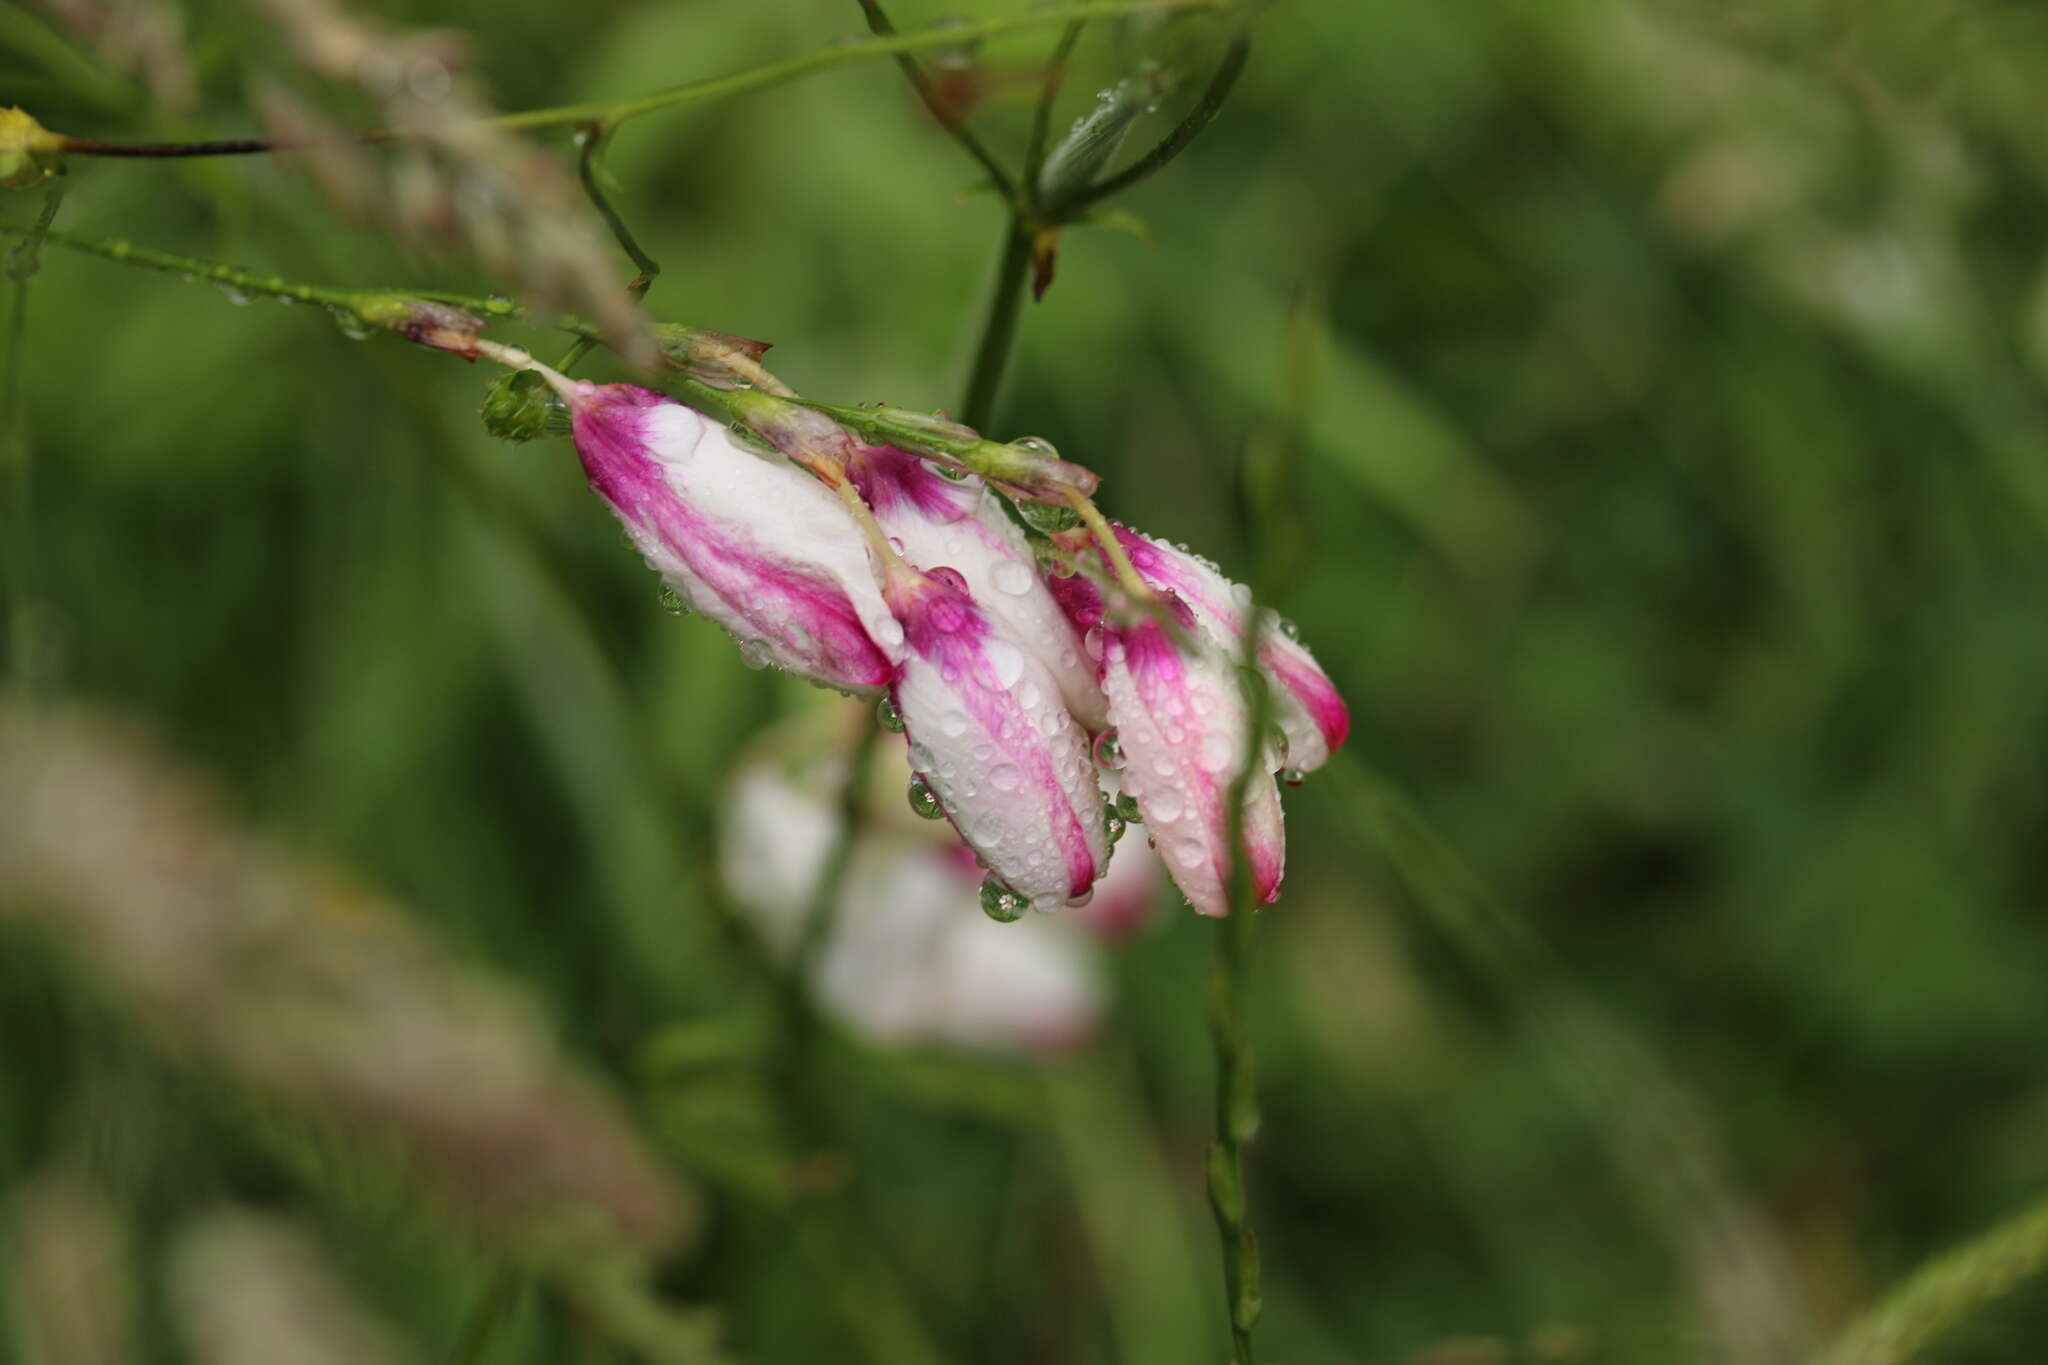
1660	388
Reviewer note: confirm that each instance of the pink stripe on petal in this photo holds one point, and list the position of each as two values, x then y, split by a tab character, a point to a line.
989	733
1182	722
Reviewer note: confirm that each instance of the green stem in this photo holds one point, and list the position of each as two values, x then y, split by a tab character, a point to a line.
999	328
275	286
1946	1292
15	449
1237	1100
589	143
615	112
943	113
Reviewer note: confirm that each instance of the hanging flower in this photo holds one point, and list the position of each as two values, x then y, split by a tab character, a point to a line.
993	742
1182	729
939	522
1312	717
740	534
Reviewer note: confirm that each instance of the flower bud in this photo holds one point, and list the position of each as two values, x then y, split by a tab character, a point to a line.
939	522
1180	719
1312	716
992	738
29	152
743	536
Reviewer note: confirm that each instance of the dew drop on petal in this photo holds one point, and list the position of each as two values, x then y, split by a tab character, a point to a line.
1006	661
1113	825
1011	577
1109	754
1000	903
1006	777
924	802
1167	804
1294	777
953	724
888	717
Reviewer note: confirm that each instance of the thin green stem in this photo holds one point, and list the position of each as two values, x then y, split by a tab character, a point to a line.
998	329
1947	1292
589	144
1170	146
942	112
1237	1100
22	263
275	286
615	112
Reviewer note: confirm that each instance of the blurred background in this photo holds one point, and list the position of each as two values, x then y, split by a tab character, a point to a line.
1658	979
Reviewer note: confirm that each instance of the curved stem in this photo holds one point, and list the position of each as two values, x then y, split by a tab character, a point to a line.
946	116
1048	92
1112	549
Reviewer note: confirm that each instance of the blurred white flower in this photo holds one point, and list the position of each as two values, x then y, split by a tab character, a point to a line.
911	957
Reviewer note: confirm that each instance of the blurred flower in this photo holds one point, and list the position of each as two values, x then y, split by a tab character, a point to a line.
992	738
249	1289
742	535
911	957
65	1276
935	521
456	179
1182	727
319	999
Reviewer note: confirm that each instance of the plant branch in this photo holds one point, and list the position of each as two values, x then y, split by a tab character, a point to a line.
15	450
943	113
999	327
1237	1101
589	144
614	112
1169	147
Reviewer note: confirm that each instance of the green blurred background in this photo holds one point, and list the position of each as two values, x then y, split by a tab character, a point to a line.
1661	388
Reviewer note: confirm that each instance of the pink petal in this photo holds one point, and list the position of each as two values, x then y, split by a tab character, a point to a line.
990	734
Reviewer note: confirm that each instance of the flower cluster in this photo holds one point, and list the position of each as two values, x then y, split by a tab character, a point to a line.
1018	666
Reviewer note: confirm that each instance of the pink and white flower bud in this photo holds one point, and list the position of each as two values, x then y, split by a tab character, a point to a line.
743	536
1311	715
991	736
936	522
1181	723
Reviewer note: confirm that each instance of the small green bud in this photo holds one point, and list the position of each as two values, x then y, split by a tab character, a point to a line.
29	152
516	406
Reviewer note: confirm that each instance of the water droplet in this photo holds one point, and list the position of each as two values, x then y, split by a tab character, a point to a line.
888	716
1076	902
1289	629
1167	803
1114	825
352	326
673	602
1036	445
1048	517
1093	642
235	295
1011	577
1006	777
953	724
924	802
1109	754
754	653
1000	903
1127	806
948	471
1294	777
1005	661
